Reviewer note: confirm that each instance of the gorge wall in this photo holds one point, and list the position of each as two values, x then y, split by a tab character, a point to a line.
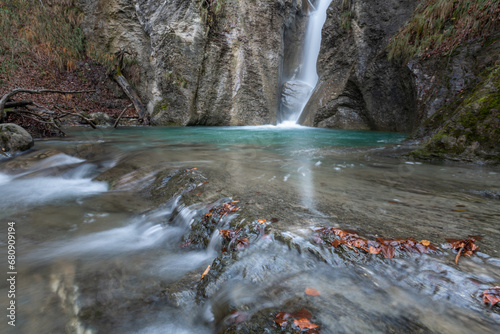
359	88
220	62
226	62
203	62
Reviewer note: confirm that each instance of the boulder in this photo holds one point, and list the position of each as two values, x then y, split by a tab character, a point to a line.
14	138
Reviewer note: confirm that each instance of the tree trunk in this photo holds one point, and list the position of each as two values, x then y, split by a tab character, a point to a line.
132	95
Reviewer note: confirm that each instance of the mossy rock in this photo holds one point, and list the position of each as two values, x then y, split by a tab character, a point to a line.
469	128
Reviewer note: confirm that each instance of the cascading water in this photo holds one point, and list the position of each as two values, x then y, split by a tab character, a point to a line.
298	89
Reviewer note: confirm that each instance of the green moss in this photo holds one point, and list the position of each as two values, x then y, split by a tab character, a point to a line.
469	126
161	106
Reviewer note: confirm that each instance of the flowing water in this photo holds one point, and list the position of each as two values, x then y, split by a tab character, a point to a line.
110	235
298	89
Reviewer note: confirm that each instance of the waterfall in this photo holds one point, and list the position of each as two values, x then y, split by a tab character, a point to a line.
297	90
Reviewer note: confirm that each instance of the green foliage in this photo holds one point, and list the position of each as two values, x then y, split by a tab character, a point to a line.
47	29
439	26
346	16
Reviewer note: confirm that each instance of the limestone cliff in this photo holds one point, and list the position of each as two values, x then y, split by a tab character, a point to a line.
206	62
359	88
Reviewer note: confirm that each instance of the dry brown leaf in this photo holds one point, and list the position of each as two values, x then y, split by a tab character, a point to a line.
304	323
492	296
312	292
205	272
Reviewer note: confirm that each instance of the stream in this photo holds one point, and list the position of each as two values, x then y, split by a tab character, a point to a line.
115	227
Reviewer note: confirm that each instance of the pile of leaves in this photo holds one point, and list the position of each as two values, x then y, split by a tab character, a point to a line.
337	237
232	240
214	216
465	247
300	320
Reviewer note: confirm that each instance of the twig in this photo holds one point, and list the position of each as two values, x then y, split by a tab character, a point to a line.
76	113
121	114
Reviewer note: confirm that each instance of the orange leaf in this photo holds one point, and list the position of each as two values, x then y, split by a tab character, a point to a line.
312	292
205	272
304	323
198	194
426	243
374	250
235	201
261	221
492	296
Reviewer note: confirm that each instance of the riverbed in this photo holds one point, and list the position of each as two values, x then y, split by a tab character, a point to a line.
113	235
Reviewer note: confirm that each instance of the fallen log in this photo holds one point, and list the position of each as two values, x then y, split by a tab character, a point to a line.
16	104
3	100
132	95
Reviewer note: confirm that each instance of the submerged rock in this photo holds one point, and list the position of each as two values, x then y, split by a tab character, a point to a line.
14	138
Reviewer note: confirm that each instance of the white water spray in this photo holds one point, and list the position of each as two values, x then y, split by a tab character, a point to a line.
297	91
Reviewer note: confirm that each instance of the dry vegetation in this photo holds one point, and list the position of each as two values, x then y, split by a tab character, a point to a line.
439	26
43	47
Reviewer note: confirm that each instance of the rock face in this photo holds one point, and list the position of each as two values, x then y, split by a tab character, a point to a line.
359	88
202	62
464	124
14	138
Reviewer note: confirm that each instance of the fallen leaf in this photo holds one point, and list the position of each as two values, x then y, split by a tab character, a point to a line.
312	292
425	242
205	272
242	243
282	318
304	323
466	247
302	313
492	296
373	250
261	221
198	194
235	201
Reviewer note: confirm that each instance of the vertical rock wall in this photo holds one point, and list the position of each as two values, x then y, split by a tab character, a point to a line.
202	62
358	87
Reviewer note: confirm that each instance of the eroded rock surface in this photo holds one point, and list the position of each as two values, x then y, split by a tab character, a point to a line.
202	62
359	88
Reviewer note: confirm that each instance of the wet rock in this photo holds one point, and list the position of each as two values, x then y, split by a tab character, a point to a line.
358	87
293	95
100	118
14	138
467	130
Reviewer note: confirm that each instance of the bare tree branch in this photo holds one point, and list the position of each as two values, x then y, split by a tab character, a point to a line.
13	92
121	114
